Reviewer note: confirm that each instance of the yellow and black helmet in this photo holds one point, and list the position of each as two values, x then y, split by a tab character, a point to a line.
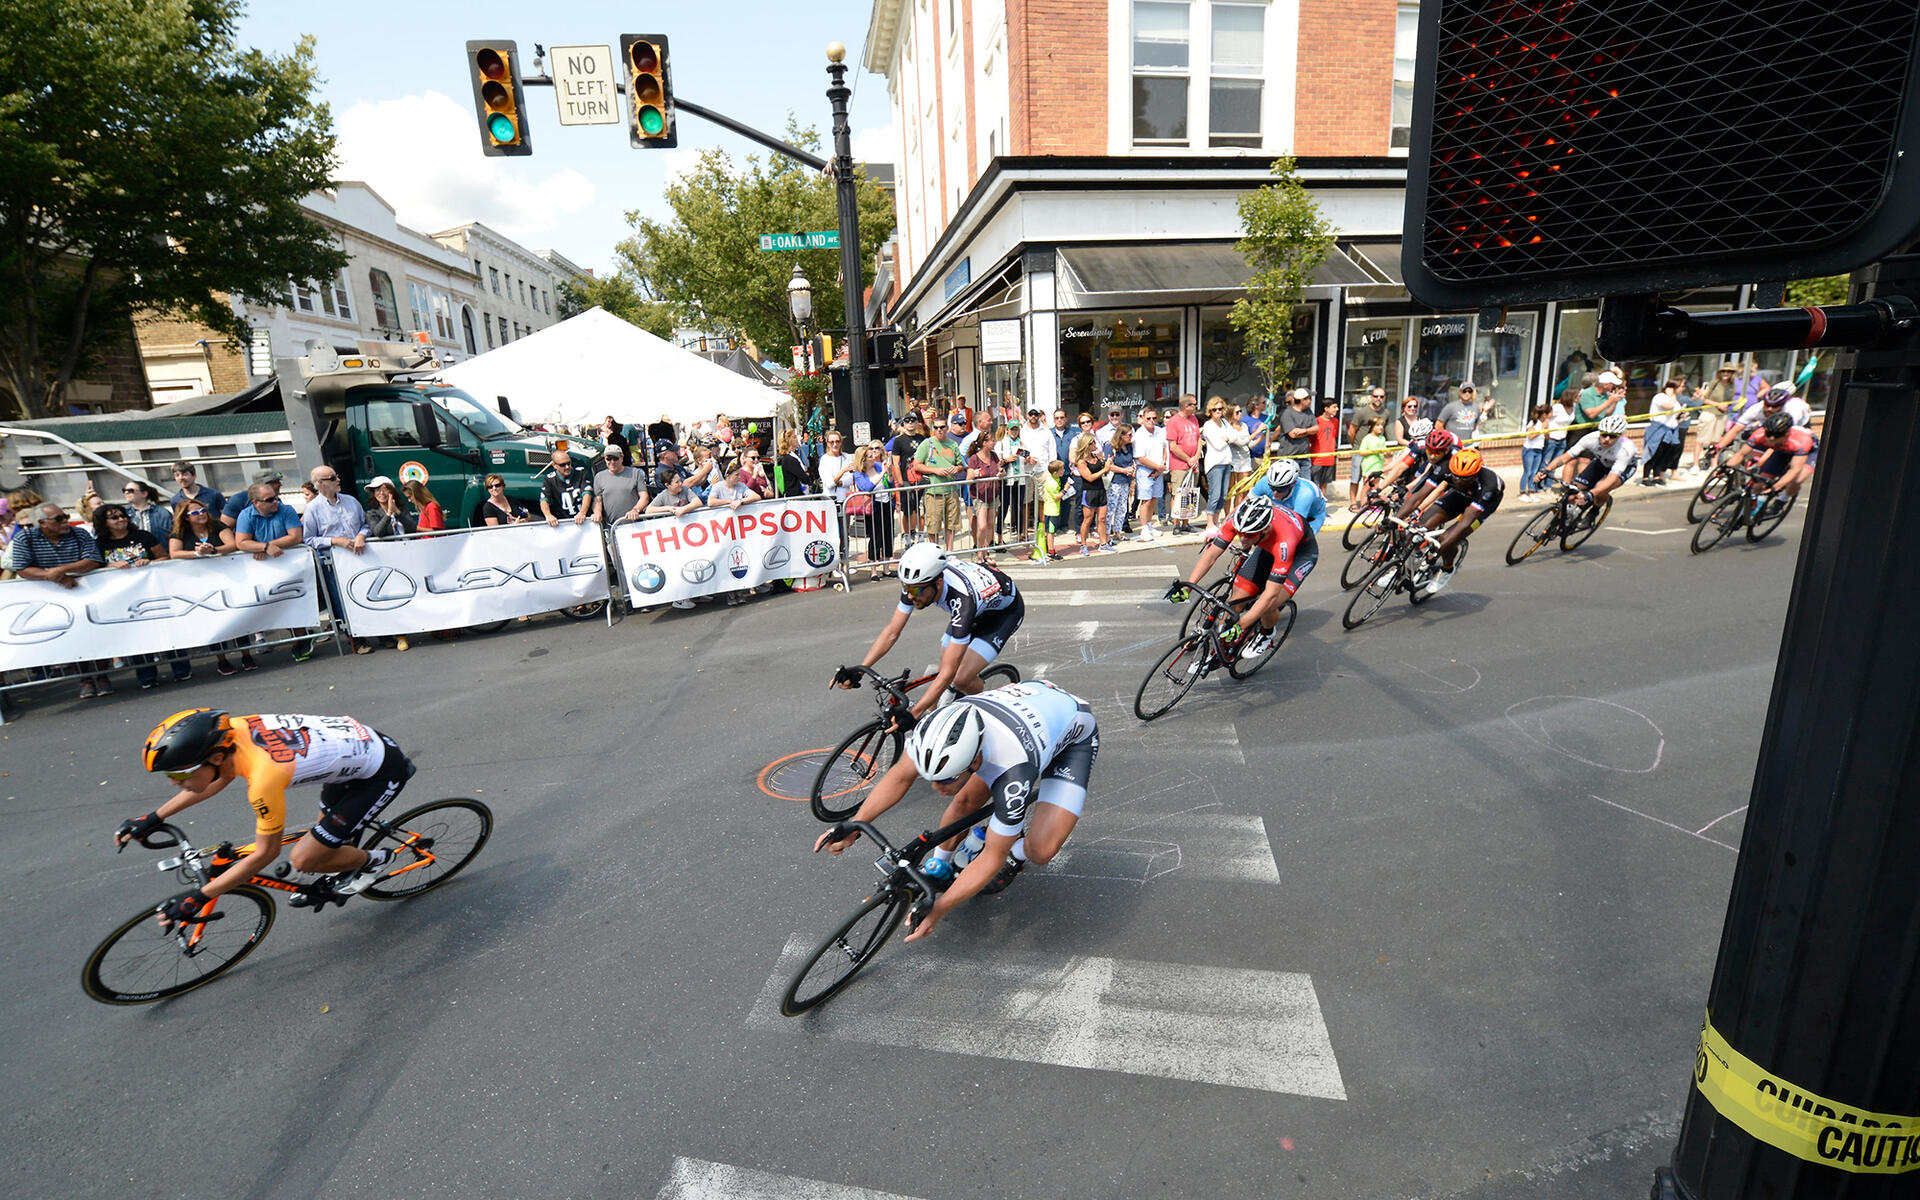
186	739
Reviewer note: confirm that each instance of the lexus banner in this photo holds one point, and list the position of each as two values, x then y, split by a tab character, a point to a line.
173	605
714	550
453	580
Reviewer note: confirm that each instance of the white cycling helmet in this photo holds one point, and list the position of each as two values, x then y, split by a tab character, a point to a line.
1615	424
1417	430
1283	474
922	563
1253	516
943	745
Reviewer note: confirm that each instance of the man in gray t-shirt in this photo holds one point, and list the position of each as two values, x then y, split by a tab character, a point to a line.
619	491
1462	417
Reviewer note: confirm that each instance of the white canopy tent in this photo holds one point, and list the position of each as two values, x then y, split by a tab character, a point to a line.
594	364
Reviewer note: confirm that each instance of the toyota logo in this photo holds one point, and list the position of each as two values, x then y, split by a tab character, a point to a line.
30	622
382	588
698	571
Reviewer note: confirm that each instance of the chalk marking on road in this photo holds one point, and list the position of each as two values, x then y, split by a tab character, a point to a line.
1217	1025
1084	630
1211	742
698	1179
1652	532
1038	670
1544	738
1723	816
1669	824
1447	686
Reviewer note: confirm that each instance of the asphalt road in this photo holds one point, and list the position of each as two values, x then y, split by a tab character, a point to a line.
1423	910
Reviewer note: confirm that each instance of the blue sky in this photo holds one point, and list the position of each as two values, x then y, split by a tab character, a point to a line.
404	110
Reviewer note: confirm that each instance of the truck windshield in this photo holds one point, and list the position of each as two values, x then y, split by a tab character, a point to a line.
485	423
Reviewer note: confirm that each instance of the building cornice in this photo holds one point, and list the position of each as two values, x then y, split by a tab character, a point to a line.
883	36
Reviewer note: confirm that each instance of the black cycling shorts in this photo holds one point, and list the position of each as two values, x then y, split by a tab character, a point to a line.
1257	570
1455	502
1595	470
993	630
347	806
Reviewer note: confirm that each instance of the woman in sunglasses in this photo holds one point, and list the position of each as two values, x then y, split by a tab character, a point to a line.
499	508
198	533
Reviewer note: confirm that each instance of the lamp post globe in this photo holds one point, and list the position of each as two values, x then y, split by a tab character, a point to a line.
800	297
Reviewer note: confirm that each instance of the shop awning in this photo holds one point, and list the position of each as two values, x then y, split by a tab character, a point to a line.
1194	273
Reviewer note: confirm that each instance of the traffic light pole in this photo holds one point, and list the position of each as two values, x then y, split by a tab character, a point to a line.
1807	1079
851	275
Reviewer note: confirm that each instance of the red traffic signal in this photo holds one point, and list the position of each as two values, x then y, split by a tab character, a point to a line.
1564	150
498	98
649	91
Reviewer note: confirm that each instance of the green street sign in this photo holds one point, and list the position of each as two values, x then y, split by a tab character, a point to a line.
826	239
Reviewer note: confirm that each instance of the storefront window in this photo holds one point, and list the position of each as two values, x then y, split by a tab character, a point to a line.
1227	370
999	380
1373	359
1125	358
1502	367
949	375
1574	352
1437	361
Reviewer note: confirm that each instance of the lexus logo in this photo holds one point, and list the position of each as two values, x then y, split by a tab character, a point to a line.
776	558
698	571
382	588
30	622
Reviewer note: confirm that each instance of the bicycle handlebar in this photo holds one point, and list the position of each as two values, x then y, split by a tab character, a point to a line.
892	686
914	876
151	839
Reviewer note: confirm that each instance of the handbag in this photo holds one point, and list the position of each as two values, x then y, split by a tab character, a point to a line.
1186	502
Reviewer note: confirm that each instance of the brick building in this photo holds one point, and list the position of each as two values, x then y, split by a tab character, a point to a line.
1067	179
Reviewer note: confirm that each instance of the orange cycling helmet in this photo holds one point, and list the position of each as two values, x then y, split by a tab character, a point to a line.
186	739
1464	463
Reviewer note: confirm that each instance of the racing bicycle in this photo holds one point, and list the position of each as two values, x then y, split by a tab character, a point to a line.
870	750
1382	503
841	955
1722	480
139	963
1198	654
1406	564
1220	589
1748	505
1562	519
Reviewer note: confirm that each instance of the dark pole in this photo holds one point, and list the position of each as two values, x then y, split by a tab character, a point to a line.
1816	989
852	275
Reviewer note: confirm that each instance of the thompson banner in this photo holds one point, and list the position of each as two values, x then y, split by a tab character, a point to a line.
452	580
716	550
172	605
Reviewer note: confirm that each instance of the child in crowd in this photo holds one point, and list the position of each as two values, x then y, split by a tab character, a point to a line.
1533	450
1120	484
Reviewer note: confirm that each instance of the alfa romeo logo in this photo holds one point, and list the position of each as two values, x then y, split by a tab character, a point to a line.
819	554
698	571
382	588
30	622
649	578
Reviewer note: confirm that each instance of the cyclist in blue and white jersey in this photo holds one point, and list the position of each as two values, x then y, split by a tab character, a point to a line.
983	609
1030	746
1610	456
1288	488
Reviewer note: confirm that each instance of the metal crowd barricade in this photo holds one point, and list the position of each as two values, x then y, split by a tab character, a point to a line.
1016	516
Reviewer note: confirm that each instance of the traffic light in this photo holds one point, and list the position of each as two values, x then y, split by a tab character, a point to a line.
499	98
1611	147
649	91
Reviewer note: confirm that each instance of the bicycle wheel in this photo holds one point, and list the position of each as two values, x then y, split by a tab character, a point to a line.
835	961
1244	665
1713	489
1172	677
1373	594
1537	532
137	964
999	674
1769	518
430	844
1592	519
1220	589
1722	521
584	612
1363	522
866	754
1365	558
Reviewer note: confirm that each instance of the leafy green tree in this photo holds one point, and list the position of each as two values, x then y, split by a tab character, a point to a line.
620	295
1827	289
147	163
1283	237
706	262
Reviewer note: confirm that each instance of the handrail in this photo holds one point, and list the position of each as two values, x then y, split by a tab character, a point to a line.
109	464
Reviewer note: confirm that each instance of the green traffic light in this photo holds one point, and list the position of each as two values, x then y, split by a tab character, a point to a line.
651	122
501	128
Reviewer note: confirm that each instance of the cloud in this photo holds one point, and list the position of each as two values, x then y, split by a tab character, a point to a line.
881	144
422	153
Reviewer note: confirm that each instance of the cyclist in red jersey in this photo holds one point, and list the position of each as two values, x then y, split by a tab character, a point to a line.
1789	451
1283	552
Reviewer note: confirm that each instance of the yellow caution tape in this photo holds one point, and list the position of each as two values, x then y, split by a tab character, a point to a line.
1792	1119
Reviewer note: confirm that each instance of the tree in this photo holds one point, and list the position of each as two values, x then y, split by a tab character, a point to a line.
706	263
1827	289
147	162
620	295
1284	238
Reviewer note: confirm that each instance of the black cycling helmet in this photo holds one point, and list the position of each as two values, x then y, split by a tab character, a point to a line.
1777	425
187	739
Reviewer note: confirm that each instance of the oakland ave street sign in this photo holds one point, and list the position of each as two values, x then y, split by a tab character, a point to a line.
826	239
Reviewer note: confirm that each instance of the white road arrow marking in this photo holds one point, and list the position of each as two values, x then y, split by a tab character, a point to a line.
697	1179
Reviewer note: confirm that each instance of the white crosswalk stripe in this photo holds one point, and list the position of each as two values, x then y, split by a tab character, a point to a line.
1216	1025
1199	844
1073	574
698	1179
1080	597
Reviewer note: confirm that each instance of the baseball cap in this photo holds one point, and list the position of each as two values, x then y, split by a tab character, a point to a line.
613	452
1608	378
1034	412
380	481
1301	394
266	477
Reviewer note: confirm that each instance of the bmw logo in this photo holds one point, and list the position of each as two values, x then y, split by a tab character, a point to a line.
649	578
698	571
776	558
819	554
31	622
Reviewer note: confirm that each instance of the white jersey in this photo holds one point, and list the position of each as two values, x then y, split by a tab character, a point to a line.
320	749
1619	458
1027	724
1795	407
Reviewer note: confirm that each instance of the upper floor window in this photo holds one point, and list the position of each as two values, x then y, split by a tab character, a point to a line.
1406	38
421	302
330	297
1160	71
386	308
1239	58
494	274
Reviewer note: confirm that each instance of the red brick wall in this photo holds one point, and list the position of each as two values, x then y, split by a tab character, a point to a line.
1057	59
1343	90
